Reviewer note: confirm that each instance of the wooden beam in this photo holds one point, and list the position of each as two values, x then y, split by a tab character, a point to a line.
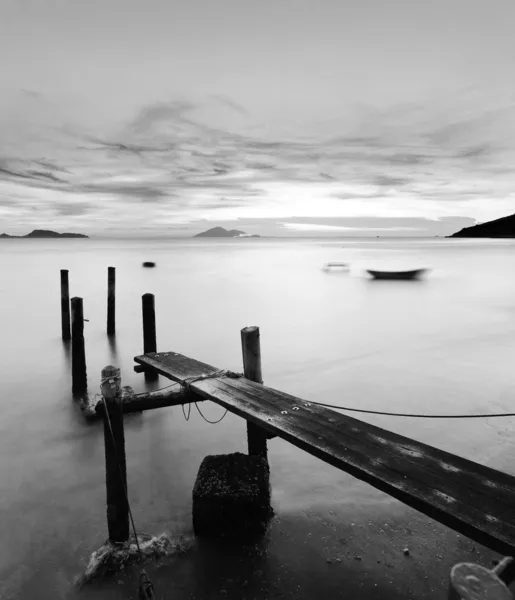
173	395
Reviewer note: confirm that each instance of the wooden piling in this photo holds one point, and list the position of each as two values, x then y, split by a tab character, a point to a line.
111	296
79	376
149	330
65	305
116	466
149	323
251	349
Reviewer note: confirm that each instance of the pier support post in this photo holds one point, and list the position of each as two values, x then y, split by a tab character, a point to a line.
79	376
251	349
474	582
111	285
116	467
149	330
65	305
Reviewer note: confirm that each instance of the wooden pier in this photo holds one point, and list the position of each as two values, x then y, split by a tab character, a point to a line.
470	498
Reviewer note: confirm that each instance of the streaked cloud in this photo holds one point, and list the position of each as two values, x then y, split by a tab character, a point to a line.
341	228
172	165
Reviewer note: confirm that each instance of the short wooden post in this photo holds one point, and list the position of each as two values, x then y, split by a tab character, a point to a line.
116	466
149	330
251	349
65	305
79	376
111	295
474	582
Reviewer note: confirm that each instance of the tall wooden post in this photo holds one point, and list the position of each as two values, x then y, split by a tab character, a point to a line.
79	376
149	330
251	350
116	466
149	323
65	305
111	295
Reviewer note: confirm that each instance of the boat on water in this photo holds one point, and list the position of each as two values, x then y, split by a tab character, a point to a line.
413	274
336	265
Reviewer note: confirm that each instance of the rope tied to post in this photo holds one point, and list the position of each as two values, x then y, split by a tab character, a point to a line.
187	383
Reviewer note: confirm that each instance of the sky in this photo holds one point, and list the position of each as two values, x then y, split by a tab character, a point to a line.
158	118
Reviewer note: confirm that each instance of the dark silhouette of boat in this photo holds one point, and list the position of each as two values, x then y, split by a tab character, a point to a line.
414	274
149	264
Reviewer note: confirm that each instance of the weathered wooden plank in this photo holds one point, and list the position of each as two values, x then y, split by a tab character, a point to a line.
176	367
471	498
407	478
472	474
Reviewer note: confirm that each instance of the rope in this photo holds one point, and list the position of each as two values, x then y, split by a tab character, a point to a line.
187	418
221	373
414	415
205	419
187	383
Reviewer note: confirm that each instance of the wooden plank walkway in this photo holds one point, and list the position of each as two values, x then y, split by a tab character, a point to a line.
475	500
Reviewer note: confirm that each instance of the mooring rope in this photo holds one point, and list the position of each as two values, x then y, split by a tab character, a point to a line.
146	587
216	374
414	415
190	380
207	420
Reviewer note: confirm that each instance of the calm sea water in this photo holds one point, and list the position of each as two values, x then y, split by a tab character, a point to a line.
442	345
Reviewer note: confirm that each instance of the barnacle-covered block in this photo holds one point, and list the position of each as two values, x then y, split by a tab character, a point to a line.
231	496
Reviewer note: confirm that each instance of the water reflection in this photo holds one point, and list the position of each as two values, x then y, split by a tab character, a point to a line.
113	349
67	354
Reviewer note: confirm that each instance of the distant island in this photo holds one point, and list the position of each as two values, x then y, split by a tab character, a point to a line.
43	233
221	232
500	228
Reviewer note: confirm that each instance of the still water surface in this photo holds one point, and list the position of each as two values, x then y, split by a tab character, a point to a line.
442	345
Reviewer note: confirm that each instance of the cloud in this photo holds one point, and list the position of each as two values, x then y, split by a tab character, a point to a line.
67	209
183	161
323	228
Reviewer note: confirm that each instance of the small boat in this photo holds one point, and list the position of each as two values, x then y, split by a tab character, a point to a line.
336	265
149	264
414	274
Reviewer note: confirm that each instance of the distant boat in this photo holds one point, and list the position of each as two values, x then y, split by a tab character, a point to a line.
336	265
414	274
149	264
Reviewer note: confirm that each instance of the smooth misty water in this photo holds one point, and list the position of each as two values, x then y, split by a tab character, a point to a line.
444	344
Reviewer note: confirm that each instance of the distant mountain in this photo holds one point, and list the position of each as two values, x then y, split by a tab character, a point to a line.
500	228
43	233
221	232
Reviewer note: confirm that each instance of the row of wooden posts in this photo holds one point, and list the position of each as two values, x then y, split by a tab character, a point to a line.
72	326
